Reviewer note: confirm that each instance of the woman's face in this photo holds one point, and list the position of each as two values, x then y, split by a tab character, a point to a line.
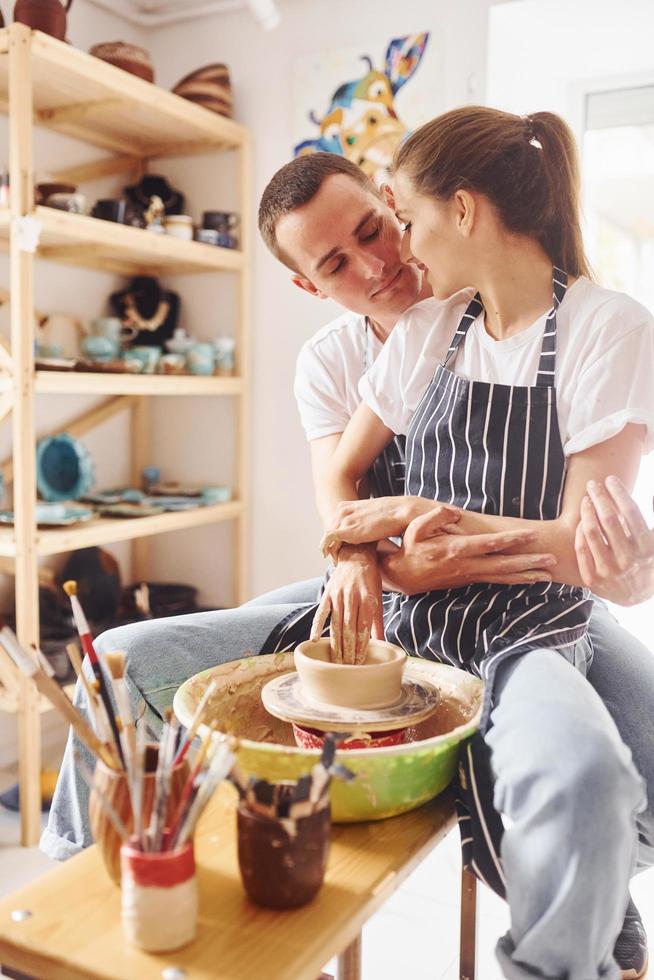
436	236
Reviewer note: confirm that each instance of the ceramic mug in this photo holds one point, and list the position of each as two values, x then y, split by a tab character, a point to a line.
109	209
113	328
222	221
148	356
200	359
100	348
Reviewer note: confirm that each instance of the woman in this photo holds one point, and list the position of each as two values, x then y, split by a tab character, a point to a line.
513	395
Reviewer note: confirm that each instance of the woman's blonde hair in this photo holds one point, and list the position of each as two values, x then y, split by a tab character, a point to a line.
526	166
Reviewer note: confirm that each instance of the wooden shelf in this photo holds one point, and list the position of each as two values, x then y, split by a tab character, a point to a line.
79	240
91	383
83	97
105	530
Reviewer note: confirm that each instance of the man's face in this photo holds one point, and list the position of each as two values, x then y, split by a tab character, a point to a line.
346	243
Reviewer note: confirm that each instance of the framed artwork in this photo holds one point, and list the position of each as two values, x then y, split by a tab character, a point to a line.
362	103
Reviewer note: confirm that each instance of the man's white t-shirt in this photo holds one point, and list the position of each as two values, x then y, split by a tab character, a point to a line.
604	362
329	367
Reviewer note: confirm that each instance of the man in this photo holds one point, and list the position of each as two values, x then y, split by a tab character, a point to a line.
323	219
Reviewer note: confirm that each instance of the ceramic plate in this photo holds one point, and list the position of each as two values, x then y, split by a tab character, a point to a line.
284	699
53	515
173	503
129	510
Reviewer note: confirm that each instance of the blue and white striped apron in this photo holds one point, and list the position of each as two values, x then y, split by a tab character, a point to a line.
494	449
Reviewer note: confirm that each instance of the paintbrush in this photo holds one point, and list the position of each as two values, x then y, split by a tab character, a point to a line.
163	780
196	721
115	662
41	673
186	798
222	761
70	588
139	770
108	808
95	705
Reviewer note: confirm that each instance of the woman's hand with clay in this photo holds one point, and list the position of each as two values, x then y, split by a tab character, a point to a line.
353	598
614	546
366	521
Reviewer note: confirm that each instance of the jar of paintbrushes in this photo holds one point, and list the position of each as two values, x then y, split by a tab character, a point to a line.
284	833
146	798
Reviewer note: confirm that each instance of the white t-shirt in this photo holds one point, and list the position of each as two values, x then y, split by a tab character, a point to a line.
329	367
604	362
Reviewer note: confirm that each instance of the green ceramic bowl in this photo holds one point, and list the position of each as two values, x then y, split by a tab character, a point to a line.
389	780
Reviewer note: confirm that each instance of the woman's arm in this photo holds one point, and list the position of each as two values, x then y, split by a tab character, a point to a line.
619	455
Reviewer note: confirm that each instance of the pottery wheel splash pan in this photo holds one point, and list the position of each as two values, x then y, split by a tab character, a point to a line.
390	780
283	697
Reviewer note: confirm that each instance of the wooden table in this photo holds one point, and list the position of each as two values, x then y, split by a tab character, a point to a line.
74	929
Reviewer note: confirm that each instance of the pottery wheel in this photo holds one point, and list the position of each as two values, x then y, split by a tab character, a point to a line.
283	698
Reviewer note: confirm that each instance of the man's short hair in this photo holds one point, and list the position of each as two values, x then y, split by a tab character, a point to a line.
294	185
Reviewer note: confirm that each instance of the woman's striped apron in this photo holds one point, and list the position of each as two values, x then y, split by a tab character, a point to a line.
494	449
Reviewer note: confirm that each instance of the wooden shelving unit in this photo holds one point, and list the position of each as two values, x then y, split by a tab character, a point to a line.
44	82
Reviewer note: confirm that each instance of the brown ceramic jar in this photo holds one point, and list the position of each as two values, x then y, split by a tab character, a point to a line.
280	871
48	16
113	785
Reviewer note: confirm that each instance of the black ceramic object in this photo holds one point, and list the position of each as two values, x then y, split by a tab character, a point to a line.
109	209
150	309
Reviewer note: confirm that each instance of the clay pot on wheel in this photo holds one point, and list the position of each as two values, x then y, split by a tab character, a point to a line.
48	16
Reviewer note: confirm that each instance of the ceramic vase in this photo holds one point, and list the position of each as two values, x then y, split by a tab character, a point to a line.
48	16
159	897
113	785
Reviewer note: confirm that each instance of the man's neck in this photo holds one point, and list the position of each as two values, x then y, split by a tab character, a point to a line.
382	328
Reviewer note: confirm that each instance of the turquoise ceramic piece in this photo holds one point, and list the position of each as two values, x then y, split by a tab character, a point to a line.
53	515
390	780
64	468
200	359
216	495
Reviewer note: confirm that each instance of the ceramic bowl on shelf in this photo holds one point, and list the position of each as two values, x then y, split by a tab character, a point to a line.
74	203
129	57
64	468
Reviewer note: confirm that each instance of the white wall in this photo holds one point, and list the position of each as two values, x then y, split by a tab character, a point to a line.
559	50
284	521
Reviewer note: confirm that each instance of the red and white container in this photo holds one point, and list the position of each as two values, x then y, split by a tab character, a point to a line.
159	897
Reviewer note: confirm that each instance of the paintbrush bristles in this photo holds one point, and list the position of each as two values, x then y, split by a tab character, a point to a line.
70	587
115	662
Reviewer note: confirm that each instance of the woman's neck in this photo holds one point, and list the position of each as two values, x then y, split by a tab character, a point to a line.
515	283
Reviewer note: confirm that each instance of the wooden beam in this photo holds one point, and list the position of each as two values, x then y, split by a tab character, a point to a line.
97	169
21	181
79	111
81	425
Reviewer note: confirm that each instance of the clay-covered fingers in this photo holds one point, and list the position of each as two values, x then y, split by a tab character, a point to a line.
337	650
631	516
321	616
433	522
369	621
